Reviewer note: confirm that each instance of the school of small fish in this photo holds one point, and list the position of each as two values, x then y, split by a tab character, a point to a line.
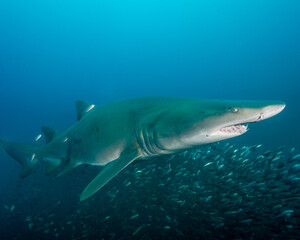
214	192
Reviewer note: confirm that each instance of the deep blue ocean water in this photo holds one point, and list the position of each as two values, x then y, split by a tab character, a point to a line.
53	53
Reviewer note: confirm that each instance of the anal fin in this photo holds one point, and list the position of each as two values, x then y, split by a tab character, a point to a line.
107	173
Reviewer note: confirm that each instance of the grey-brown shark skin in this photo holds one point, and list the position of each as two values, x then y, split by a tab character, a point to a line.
115	134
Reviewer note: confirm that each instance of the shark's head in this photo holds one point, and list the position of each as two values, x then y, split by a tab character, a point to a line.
205	121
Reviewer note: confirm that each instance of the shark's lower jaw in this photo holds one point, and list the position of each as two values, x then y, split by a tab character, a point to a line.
234	129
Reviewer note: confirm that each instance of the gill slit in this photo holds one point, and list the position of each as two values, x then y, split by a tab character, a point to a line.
147	143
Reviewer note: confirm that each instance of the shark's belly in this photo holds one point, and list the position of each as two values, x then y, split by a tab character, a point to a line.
108	154
94	152
102	136
96	147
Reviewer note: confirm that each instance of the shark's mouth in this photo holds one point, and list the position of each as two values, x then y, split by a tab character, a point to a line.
234	129
229	131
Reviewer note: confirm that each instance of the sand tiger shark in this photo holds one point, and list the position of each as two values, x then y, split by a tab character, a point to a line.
115	134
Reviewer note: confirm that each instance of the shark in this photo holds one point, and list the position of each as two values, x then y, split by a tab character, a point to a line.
115	134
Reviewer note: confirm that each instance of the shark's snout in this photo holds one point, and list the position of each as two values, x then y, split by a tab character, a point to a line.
271	110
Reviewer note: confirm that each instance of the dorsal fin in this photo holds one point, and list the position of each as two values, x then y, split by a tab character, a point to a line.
49	132
82	108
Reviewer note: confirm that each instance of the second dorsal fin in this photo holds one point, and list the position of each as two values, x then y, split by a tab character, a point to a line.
49	132
82	108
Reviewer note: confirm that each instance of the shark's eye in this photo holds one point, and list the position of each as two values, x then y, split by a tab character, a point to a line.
235	110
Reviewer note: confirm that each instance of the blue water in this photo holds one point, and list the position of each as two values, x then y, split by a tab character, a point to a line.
53	53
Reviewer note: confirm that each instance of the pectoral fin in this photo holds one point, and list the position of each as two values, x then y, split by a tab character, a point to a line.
107	173
67	168
51	164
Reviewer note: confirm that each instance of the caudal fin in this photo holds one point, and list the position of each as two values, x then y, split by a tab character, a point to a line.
25	154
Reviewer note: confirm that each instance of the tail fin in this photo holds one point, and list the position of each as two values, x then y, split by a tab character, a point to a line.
25	154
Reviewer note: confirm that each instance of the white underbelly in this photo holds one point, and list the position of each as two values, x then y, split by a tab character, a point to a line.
108	154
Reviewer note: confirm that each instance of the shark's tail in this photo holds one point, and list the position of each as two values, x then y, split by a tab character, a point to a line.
25	154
